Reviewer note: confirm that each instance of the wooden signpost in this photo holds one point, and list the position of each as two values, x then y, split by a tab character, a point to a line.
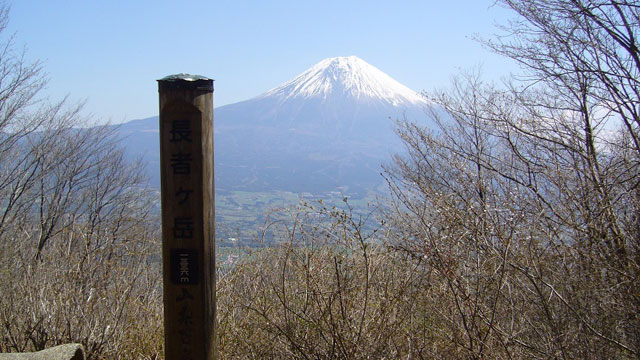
188	253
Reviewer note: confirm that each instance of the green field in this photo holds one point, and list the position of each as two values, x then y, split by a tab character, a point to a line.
241	214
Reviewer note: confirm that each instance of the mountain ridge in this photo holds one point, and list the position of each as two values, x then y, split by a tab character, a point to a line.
329	127
346	76
342	98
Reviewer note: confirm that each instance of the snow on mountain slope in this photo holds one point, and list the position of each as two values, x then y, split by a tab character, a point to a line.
330	127
346	76
341	98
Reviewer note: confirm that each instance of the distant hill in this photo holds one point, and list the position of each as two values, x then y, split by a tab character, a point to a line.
328	129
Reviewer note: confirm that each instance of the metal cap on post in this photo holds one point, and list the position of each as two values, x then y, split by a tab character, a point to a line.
185	82
188	252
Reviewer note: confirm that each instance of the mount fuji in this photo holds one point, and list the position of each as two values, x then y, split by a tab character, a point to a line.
341	96
327	129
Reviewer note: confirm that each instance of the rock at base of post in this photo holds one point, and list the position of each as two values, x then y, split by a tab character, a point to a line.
62	352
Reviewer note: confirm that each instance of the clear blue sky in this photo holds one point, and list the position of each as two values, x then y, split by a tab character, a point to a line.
110	52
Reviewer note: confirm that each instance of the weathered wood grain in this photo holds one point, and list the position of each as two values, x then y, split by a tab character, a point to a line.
188	252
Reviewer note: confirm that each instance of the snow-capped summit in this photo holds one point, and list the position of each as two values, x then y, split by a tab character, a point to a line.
346	77
327	129
342	99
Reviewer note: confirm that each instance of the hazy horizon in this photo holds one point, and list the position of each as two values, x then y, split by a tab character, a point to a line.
110	54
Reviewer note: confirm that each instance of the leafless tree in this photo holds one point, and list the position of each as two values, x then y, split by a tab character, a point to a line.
330	290
78	254
585	50
523	199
